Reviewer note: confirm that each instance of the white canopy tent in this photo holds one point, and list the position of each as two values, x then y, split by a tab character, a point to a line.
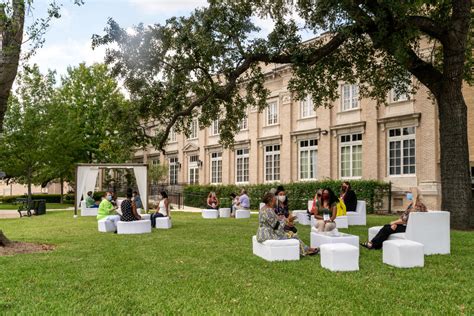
86	179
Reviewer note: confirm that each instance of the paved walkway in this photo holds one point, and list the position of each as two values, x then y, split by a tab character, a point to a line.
14	213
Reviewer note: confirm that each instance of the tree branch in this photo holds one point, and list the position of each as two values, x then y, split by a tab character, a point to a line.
429	27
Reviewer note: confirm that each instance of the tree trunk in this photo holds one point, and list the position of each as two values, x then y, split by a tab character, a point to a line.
457	195
61	199
4	241
11	35
30	197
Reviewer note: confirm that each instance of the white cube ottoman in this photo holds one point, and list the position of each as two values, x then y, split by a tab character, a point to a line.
342	222
302	217
242	214
373	231
339	257
135	227
89	211
224	212
163	222
210	214
145	216
318	239
277	250
106	226
403	253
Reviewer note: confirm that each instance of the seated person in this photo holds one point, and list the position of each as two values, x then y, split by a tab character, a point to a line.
90	202
316	204
212	201
348	196
244	201
399	225
107	210
234	200
162	210
271	226
327	211
282	208
129	209
138	201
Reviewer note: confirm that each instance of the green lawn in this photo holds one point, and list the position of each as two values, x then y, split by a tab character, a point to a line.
49	206
207	267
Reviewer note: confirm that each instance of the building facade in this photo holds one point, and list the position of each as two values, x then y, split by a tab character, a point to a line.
290	142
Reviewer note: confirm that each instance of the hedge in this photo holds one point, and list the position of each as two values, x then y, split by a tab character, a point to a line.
50	198
298	193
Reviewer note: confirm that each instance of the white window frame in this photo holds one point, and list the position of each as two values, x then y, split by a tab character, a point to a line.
307	107
173	164
244	123
352	101
216	158
194	130
274	176
271	113
308	148
215	128
394	97
193	166
245	155
350	144
400	139
172	135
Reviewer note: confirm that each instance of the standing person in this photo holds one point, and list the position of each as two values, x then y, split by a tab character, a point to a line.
327	212
348	196
90	202
244	201
399	225
129	209
270	226
163	209
106	210
138	201
212	201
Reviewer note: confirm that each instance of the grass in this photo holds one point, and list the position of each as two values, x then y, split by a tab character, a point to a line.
49	206
207	267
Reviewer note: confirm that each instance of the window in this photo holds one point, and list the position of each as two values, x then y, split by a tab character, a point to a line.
350	97
397	94
154	161
193	169
216	168
172	135
193	133
173	166
308	159
350	156
242	165
243	124
215	128
272	163
307	107
401	151
272	114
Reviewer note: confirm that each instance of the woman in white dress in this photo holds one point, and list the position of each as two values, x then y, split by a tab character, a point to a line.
163	209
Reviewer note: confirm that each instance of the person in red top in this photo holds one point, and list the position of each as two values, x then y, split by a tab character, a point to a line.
212	201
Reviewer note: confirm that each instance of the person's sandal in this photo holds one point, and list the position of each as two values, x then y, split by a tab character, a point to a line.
313	253
366	245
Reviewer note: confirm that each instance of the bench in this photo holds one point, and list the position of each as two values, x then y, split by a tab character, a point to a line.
277	250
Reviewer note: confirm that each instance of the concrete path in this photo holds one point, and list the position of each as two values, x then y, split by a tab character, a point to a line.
188	209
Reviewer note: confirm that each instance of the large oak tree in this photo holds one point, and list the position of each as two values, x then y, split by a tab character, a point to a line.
208	65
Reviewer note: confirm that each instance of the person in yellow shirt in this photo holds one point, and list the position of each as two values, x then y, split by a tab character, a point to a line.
107	210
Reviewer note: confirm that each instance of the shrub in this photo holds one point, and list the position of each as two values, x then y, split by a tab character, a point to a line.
298	192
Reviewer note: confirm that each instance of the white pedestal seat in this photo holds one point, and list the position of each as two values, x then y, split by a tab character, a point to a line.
135	227
276	250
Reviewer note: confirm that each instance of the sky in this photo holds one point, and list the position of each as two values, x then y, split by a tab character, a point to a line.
68	40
